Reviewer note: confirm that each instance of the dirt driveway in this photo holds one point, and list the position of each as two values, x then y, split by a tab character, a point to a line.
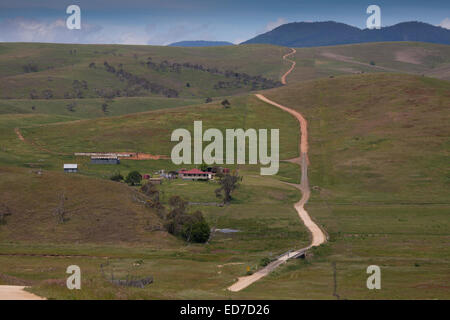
17	293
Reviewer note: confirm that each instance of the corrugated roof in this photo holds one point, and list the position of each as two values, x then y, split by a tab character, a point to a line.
194	171
70	166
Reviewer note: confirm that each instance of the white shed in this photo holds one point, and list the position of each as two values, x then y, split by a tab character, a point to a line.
70	168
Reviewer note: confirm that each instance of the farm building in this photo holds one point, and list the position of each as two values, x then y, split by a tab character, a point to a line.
195	174
155	180
70	168
218	170
169	175
105	160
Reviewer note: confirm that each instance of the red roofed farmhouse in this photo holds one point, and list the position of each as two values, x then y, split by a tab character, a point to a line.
195	174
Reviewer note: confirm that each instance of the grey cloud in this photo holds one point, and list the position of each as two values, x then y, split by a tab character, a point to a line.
31	30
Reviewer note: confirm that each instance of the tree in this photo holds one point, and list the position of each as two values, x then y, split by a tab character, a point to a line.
48	94
60	212
30	67
228	183
71	106
150	190
105	108
198	231
208	100
4	211
226	104
133	178
176	202
188	85
203	167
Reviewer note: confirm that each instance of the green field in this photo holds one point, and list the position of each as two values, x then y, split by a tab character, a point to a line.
34	68
409	57
378	171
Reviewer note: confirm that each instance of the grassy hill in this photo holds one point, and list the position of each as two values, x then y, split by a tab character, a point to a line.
378	150
399	57
150	131
56	71
91	107
384	131
97	211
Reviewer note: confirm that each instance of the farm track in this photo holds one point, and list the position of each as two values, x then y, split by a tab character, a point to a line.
21	138
317	235
17	293
283	78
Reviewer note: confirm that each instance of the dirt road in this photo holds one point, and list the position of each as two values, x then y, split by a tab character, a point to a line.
283	78
317	235
17	293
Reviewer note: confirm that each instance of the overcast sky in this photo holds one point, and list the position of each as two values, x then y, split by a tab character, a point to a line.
160	22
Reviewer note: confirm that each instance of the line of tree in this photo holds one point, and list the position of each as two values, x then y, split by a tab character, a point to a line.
240	78
135	83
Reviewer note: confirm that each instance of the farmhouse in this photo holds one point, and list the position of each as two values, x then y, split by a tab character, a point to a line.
195	174
105	160
70	168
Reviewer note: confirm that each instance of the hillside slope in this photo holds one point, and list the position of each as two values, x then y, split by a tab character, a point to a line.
97	211
379	187
363	126
378	150
399	57
71	71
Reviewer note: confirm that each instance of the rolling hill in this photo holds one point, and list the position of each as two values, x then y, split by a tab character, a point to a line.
378	205
97	211
65	71
377	154
329	33
418	58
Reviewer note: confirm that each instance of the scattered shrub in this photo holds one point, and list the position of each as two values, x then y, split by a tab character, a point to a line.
117	177
133	178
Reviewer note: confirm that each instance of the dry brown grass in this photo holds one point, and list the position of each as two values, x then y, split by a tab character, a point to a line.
98	211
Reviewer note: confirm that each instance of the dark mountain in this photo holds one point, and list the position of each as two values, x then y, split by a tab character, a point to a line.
312	34
200	43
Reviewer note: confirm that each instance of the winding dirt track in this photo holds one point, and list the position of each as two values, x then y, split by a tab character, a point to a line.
17	293
317	235
283	78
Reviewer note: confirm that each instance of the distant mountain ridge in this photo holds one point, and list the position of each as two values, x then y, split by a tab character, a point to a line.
313	34
200	43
